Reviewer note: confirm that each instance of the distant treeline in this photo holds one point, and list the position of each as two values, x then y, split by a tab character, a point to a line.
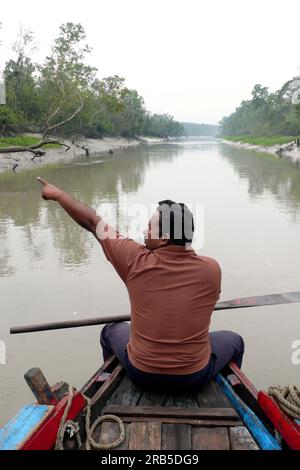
63	95
193	129
266	114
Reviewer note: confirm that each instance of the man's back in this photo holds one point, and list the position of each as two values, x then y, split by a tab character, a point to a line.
172	293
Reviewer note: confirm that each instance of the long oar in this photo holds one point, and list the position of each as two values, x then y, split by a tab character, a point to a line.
273	299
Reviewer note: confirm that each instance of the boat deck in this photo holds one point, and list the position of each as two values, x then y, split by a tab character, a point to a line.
158	421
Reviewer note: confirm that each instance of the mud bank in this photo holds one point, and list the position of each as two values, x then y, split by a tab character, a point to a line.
24	160
289	151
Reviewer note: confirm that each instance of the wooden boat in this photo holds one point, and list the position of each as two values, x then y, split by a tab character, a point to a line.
225	415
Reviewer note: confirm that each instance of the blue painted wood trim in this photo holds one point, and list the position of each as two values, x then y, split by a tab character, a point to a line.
21	425
264	439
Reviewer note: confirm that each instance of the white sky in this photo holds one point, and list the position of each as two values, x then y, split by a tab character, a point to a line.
194	59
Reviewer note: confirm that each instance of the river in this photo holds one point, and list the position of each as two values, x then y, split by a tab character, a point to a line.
51	269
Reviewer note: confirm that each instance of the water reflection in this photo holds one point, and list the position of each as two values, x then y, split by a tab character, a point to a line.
45	224
266	173
6	267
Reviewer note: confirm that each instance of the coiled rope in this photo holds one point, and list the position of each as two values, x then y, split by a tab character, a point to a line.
74	427
90	442
288	399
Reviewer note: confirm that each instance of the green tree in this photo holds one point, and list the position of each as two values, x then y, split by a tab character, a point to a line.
266	114
19	76
129	122
65	80
8	120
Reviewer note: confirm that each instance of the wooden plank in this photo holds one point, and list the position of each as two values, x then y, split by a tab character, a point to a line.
243	379
102	394
210	438
152	399
145	436
109	432
109	385
187	400
127	393
211	395
108	366
176	437
192	422
176	412
241	439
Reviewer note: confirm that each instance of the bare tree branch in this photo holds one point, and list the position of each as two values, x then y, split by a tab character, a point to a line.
61	123
58	108
33	148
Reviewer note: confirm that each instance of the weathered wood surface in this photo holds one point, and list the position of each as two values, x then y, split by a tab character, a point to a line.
159	421
60	389
212	395
110	432
204	438
40	387
145	436
188	400
241	439
127	393
91	386
172	412
193	422
176	436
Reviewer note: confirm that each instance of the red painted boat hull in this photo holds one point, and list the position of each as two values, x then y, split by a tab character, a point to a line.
287	427
45	436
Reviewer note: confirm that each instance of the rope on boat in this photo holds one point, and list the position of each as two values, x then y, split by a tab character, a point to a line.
75	429
90	442
288	399
64	425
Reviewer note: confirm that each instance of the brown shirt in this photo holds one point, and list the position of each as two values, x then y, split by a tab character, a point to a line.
172	293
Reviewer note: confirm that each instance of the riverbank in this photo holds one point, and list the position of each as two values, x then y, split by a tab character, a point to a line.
108	145
287	149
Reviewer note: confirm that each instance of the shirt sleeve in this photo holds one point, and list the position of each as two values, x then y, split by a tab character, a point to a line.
119	251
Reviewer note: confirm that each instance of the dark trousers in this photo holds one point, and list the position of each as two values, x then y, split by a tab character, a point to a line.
226	346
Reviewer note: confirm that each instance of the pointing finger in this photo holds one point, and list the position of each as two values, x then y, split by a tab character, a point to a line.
42	180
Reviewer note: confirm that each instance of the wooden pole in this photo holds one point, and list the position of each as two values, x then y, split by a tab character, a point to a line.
262	300
68	324
40	387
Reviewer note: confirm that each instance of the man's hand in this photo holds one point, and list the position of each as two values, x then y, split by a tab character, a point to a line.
50	192
82	214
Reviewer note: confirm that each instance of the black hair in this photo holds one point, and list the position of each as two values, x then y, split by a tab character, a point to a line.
176	219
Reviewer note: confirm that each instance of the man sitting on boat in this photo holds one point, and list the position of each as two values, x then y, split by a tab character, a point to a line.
173	292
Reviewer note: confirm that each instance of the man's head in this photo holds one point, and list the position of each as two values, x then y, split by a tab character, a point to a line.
172	223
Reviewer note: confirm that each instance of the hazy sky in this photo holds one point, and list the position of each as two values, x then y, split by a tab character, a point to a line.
194	59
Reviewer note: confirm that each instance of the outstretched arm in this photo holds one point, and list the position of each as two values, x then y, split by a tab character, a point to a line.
83	215
120	251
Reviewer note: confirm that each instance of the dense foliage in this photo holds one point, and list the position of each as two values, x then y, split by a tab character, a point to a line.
64	96
267	114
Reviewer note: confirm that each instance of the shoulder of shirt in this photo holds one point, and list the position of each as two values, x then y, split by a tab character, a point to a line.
210	261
